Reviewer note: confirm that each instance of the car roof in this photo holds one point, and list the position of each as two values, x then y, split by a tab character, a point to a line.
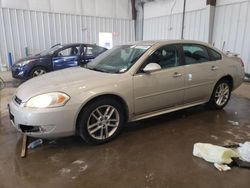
74	44
157	42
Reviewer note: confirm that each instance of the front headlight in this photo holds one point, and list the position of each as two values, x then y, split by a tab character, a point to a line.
48	100
23	63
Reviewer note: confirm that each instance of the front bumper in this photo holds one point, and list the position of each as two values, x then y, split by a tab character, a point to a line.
43	123
19	72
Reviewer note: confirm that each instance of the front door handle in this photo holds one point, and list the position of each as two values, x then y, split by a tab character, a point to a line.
176	75
213	68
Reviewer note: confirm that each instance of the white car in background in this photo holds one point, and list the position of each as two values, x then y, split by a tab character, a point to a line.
127	83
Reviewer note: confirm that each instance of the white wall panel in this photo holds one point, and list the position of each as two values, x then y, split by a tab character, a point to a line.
196	25
63	6
232	28
39	5
22	4
226	2
166	7
39	30
99	8
169	26
164	27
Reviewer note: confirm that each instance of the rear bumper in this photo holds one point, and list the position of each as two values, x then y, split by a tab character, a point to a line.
238	79
43	123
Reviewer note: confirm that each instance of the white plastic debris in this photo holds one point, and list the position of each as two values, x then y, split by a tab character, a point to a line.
213	153
221	167
236	123
35	143
78	162
64	171
244	151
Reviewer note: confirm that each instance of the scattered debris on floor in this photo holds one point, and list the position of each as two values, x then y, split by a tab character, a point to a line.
83	168
78	162
74	169
52	142
235	123
244	151
65	171
24	146
224	157
214	137
228	142
213	153
222	167
35	144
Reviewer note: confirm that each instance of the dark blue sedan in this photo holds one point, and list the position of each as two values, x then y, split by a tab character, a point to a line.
55	58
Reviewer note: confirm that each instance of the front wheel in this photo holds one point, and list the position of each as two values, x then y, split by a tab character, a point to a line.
37	72
101	121
221	95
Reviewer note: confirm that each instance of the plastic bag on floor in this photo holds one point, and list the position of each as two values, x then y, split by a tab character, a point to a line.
213	153
244	151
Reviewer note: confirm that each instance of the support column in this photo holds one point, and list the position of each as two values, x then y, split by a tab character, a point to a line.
211	13
139	7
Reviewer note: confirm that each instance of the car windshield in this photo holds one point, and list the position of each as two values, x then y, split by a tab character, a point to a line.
117	60
51	50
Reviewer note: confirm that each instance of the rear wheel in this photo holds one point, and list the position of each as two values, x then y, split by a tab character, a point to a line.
221	94
102	121
37	72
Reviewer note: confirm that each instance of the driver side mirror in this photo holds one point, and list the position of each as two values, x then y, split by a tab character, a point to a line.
151	67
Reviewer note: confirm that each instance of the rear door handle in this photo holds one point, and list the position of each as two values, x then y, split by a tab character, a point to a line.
213	68
176	75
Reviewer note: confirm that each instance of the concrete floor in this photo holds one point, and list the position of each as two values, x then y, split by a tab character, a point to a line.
150	153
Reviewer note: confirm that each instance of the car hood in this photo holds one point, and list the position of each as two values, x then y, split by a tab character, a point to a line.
28	58
31	58
67	80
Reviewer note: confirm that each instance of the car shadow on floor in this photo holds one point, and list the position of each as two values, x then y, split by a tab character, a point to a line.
165	118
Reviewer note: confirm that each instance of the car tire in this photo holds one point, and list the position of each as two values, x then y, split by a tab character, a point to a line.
101	121
37	71
221	94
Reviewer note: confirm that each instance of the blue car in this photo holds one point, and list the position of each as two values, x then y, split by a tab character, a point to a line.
55	58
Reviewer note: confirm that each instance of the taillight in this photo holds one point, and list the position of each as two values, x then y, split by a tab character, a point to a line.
242	63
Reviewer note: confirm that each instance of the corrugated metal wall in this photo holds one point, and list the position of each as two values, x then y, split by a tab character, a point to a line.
232	28
40	30
169	26
164	27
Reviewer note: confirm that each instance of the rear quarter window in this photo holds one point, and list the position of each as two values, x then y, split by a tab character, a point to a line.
214	56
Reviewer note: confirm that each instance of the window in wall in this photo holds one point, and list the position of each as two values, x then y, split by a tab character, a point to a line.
106	40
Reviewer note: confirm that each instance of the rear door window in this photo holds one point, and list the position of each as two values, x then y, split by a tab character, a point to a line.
194	54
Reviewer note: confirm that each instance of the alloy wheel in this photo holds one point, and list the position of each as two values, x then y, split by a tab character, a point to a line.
222	94
103	122
38	72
